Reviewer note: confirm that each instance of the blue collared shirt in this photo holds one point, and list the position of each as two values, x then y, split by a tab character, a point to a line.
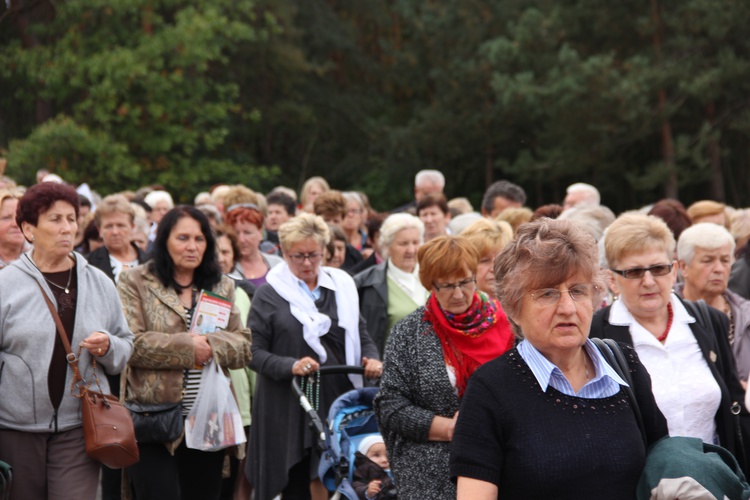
605	383
324	280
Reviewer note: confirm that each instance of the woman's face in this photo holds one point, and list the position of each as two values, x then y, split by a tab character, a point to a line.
486	271
339	254
707	275
159	210
10	233
186	245
553	325
353	219
226	253
403	250
304	259
455	294
54	232
249	237
116	231
645	297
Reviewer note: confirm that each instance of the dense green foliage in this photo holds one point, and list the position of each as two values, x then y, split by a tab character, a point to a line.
642	99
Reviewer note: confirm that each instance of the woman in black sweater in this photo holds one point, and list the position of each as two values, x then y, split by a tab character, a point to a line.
549	419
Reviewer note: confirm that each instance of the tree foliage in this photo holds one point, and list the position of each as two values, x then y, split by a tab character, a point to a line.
641	99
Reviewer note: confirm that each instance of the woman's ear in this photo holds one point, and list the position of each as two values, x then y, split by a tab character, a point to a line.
613	283
27	230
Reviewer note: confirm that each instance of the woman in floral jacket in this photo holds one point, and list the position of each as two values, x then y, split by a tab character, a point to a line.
159	300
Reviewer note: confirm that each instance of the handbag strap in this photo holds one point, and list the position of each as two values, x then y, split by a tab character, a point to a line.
69	356
616	359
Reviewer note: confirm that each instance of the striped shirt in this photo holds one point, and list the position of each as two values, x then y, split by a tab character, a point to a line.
192	380
605	383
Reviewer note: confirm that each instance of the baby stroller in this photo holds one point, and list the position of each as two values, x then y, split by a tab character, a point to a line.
351	418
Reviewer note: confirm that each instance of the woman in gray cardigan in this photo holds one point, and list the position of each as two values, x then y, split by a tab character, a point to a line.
40	418
429	358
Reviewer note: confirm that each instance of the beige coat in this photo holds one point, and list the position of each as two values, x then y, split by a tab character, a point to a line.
163	349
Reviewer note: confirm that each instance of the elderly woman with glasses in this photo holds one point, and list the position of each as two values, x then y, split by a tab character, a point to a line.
429	357
685	351
305	316
549	419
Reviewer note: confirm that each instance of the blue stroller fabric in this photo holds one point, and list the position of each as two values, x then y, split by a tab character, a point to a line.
350	419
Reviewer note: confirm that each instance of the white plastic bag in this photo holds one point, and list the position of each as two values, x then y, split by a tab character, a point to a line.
214	422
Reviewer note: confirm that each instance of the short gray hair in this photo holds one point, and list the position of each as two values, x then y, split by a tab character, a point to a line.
394	224
593	218
303	227
592	194
706	235
430	177
155	197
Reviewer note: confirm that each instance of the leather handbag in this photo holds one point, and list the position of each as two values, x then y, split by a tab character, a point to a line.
107	427
156	423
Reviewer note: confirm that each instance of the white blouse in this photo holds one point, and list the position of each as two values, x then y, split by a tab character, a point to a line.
683	386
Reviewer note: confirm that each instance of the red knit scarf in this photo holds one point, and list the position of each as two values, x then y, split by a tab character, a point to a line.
472	338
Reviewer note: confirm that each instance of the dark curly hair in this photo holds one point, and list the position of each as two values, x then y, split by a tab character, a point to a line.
40	197
207	274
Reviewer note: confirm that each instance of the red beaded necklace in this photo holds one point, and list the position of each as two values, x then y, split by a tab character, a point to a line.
670	316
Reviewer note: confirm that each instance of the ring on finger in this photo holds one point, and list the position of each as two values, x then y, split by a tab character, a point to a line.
100	350
307	366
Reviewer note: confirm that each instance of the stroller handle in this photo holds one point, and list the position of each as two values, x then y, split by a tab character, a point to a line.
341	369
315	420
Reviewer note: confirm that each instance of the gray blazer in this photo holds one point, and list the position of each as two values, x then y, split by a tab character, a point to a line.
372	286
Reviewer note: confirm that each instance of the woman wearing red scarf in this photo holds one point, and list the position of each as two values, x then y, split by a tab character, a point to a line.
429	358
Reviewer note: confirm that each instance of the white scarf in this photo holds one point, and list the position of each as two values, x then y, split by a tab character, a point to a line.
408	282
316	324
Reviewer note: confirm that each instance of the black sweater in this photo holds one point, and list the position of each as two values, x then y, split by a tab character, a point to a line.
535	444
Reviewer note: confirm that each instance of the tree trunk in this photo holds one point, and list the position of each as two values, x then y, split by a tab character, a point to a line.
714	151
667	143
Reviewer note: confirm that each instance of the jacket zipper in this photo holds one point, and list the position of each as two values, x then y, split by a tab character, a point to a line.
53	421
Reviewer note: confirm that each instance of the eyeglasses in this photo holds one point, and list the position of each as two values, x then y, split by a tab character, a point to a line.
300	258
639	272
551	296
466	285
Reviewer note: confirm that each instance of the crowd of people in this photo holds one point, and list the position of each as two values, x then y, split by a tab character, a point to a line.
477	326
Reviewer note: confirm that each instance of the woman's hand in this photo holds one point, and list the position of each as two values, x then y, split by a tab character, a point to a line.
97	344
203	351
305	367
442	428
373	367
373	488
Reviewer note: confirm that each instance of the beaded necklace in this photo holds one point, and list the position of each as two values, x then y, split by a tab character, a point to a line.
670	316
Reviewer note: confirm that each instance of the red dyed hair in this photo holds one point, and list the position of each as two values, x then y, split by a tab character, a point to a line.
40	197
245	214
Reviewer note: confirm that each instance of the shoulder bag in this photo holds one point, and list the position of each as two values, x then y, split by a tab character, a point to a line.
107	426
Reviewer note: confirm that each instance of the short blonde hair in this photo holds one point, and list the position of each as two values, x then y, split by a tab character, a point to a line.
515	216
634	233
303	227
445	258
12	194
237	195
706	208
113	204
308	185
488	235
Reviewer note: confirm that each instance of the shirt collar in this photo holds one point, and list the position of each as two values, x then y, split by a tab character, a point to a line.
620	316
324	281
544	370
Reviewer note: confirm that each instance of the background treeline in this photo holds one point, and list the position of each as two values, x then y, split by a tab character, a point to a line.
643	99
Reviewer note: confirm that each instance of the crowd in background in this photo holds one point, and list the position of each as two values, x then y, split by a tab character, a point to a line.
319	277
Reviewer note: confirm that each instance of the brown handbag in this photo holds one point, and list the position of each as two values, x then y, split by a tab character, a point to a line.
107	427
